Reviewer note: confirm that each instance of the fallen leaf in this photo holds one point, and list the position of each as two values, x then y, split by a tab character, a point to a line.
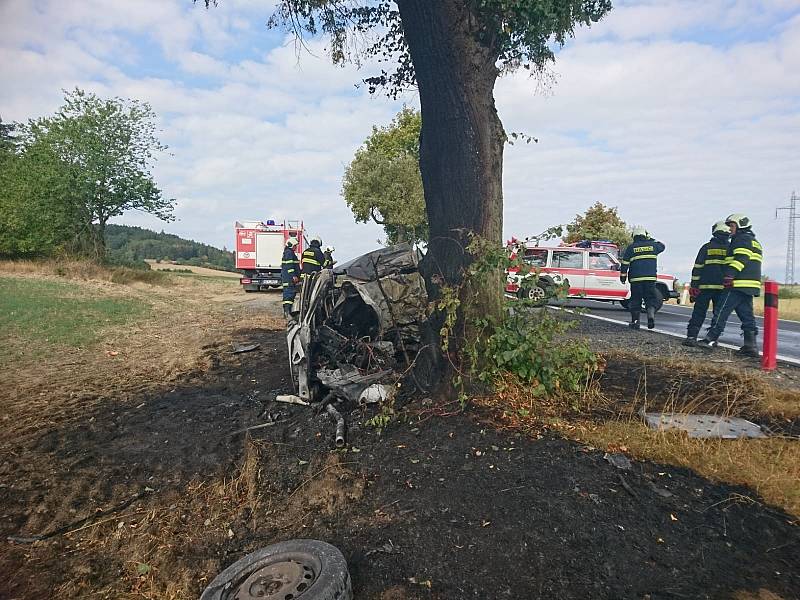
673	517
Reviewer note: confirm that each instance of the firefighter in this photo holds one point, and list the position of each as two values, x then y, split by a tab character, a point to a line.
639	266
313	258
706	286
329	262
741	282
290	275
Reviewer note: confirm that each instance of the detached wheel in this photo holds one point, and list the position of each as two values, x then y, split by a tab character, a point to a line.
291	570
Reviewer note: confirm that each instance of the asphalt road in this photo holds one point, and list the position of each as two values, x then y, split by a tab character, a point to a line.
673	318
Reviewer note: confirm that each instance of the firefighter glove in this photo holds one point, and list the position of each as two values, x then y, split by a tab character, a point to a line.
623	278
694	293
295	280
728	281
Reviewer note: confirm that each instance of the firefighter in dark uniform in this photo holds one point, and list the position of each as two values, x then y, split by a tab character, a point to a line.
742	282
290	275
640	267
313	258
706	286
329	262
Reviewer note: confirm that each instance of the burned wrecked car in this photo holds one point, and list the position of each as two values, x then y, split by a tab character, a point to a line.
358	329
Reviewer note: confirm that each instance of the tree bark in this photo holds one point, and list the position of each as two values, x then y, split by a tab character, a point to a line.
461	142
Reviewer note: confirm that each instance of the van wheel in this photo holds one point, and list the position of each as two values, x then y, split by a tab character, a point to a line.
538	294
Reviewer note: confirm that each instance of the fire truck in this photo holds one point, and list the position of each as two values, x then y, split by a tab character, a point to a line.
259	251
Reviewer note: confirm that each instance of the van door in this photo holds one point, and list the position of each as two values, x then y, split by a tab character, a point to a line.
602	277
569	264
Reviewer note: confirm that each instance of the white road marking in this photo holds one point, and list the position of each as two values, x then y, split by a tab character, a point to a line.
793	361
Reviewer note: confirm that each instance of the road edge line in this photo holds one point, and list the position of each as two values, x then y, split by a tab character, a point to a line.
786	359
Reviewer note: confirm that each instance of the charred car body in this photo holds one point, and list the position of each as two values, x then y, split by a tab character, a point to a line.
353	327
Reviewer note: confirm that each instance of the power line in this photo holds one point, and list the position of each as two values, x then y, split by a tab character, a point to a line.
793	216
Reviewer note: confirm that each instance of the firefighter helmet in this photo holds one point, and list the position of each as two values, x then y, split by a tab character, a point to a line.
741	221
639	231
330	249
316	239
291	242
720	227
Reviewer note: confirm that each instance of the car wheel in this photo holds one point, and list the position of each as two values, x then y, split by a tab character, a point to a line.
538	294
291	570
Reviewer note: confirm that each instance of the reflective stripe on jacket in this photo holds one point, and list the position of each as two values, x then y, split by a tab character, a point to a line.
640	260
313	259
290	266
708	266
743	262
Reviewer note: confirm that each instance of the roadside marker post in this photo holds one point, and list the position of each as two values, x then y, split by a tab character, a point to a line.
769	360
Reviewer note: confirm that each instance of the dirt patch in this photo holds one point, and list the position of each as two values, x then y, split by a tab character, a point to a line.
435	508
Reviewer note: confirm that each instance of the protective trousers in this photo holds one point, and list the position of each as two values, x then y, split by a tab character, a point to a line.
729	301
289	292
642	290
701	303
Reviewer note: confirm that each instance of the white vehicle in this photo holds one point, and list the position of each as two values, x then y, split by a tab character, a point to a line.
259	251
586	273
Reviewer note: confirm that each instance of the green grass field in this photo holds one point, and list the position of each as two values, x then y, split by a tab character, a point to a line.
53	313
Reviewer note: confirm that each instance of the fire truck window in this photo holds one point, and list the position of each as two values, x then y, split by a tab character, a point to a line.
536	258
567	260
600	261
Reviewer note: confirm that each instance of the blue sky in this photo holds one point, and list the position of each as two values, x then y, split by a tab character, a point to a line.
676	111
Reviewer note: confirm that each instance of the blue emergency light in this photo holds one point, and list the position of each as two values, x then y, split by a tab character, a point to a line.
270	222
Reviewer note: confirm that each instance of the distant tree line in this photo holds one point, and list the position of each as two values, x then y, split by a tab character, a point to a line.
128	245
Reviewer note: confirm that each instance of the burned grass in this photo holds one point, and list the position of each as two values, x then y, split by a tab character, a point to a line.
608	415
430	507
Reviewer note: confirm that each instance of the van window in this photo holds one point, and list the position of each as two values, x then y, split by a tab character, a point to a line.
565	259
536	257
600	261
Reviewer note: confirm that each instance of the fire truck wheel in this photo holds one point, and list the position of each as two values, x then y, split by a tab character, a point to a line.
291	570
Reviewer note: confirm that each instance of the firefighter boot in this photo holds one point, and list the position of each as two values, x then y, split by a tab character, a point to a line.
651	317
749	348
634	324
708	343
690	341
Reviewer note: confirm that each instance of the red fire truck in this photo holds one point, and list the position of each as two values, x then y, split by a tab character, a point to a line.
259	251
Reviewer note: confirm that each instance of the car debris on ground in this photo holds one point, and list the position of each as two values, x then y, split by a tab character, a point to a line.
356	332
705	426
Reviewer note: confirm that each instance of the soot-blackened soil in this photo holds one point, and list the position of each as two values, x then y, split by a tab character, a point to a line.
444	508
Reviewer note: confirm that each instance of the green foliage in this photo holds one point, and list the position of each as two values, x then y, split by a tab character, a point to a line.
383	182
128	245
513	33
600	222
527	341
72	172
50	313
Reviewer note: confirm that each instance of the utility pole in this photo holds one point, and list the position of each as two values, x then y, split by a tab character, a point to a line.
793	216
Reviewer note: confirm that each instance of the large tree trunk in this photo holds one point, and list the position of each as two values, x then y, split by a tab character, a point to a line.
461	143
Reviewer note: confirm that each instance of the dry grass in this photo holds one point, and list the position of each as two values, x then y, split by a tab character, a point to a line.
788	308
606	415
184	321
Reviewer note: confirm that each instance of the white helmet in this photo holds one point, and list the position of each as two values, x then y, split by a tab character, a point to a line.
330	249
317	239
639	230
291	242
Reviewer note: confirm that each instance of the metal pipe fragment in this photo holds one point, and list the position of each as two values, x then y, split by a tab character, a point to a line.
339	419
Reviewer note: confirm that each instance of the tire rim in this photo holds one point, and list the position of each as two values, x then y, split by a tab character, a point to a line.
282	577
536	293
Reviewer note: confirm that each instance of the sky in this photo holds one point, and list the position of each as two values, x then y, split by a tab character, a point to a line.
678	112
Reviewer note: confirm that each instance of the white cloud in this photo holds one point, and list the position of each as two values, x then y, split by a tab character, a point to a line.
672	126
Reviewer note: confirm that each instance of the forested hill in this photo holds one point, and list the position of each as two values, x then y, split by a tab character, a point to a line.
128	244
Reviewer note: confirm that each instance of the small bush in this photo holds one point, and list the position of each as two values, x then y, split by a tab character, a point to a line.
530	345
124	275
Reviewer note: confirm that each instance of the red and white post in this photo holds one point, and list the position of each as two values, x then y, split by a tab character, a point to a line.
769	360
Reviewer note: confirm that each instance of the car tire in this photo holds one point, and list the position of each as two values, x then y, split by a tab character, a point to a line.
291	570
539	294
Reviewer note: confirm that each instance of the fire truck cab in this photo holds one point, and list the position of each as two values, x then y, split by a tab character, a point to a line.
259	251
